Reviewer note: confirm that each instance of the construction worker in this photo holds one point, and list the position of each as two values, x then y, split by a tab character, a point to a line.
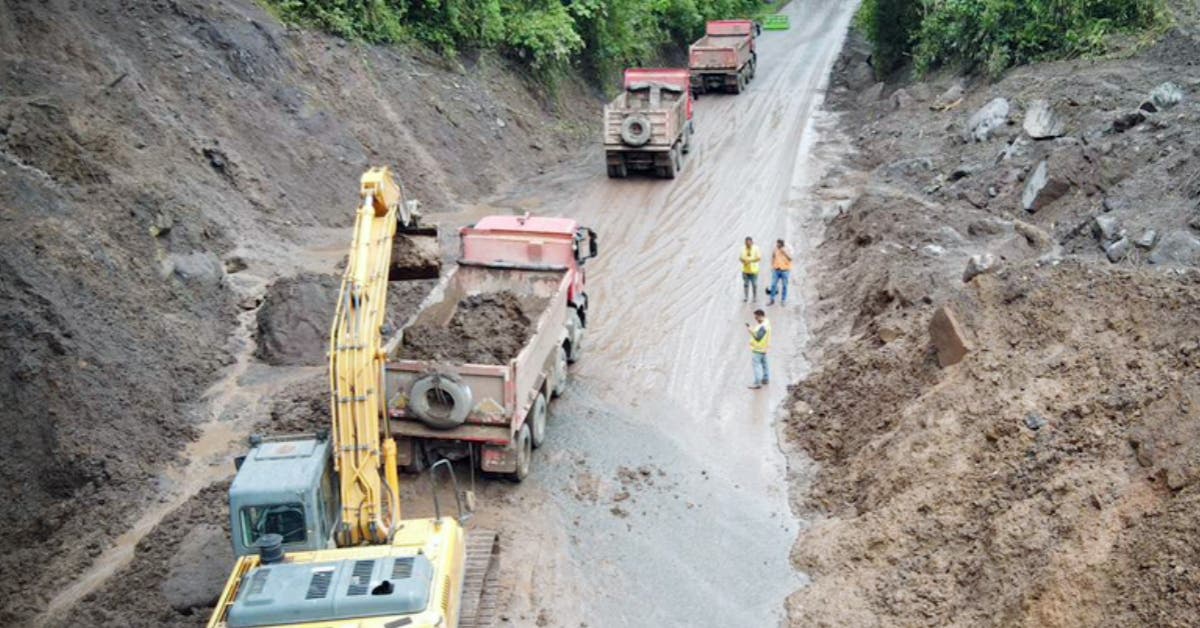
760	340
781	269
750	258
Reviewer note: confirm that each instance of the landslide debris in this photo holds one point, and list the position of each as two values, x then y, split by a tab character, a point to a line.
160	162
488	328
1052	476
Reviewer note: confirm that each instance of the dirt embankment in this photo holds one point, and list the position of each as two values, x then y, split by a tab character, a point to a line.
159	164
1052	477
489	328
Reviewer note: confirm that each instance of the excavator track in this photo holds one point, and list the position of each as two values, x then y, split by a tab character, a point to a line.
481	575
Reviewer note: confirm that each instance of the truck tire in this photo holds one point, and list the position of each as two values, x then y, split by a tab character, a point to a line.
538	413
524	450
668	171
740	85
576	323
440	401
687	138
618	171
561	375
636	130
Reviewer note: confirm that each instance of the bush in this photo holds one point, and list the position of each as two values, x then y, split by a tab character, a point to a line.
604	36
992	35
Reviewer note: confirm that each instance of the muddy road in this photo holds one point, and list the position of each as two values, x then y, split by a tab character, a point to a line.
660	497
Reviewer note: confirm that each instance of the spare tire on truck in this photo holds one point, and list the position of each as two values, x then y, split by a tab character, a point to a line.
440	401
635	130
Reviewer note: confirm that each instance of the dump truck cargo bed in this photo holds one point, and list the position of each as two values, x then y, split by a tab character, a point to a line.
490	330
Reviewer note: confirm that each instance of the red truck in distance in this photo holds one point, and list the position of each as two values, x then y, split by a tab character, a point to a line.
725	58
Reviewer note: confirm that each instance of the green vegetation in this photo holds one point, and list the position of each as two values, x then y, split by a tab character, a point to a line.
602	36
993	35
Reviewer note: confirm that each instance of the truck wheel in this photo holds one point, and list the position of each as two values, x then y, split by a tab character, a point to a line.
741	83
753	67
418	459
561	372
524	446
687	138
668	171
537	421
678	160
577	341
618	171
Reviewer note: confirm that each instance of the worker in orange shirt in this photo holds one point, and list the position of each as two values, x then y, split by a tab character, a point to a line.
781	269
750	258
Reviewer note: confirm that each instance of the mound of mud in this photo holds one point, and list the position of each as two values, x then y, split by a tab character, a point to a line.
294	319
176	574
486	328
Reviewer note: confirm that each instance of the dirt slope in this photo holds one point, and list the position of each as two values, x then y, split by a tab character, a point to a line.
1052	478
158	163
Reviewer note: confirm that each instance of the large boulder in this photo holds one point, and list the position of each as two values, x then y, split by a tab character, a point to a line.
949	98
983	123
196	572
1177	248
199	268
1043	187
1166	96
1042	122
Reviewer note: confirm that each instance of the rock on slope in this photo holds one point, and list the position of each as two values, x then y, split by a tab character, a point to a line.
1052	478
144	145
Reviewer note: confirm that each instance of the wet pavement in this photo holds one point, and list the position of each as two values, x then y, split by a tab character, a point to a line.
661	495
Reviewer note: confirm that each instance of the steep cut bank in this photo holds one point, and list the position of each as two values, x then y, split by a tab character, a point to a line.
1052	477
161	163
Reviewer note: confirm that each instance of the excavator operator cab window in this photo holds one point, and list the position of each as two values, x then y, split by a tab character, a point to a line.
286	520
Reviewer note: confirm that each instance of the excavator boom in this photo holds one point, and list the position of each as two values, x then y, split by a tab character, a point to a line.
364	453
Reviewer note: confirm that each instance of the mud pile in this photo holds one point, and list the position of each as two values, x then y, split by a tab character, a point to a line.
489	328
293	322
1052	478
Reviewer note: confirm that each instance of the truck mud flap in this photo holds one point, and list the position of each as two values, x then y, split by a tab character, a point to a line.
498	459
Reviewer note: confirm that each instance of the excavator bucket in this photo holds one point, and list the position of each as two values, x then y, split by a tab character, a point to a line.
416	253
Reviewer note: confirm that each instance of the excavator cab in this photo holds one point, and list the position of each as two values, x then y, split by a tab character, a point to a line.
284	486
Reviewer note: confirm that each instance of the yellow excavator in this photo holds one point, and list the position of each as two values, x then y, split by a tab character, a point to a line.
316	519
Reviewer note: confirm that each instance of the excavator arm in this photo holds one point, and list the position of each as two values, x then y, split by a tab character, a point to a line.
364	451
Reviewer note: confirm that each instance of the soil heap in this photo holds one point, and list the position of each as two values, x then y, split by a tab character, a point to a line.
161	164
488	328
1052	477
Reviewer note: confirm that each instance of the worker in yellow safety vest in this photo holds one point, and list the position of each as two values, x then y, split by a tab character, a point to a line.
760	341
750	258
781	269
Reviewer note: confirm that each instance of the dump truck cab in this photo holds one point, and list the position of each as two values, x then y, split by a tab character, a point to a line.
284	486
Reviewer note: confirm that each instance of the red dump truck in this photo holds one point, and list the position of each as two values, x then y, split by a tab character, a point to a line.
649	126
491	406
725	58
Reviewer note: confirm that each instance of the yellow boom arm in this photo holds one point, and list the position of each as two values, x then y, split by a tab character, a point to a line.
364	452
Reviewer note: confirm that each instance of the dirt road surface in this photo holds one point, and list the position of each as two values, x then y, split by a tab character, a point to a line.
660	497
